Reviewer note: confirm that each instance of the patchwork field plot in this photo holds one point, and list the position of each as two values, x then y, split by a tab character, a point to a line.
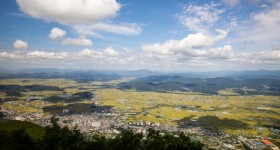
234	114
227	110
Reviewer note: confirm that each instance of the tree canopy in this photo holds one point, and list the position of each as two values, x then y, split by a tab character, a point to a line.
57	138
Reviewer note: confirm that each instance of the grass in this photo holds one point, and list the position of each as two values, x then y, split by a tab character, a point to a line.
227	92
20	107
61	83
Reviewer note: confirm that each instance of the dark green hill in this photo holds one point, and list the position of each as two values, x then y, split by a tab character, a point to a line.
58	138
266	86
79	76
33	130
70	98
14	90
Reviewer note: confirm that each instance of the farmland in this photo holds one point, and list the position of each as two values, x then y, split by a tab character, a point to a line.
235	114
227	110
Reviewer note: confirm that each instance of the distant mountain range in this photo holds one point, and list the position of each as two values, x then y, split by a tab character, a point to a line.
234	74
254	86
42	72
78	75
265	82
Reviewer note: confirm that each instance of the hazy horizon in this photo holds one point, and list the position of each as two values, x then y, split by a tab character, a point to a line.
140	69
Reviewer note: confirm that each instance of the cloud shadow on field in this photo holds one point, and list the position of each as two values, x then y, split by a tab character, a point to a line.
214	122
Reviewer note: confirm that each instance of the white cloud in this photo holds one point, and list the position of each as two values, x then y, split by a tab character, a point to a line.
263	26
85	30
87	17
127	50
109	51
123	29
185	46
223	55
269	18
70	11
19	44
225	52
199	18
8	55
203	58
105	53
47	55
104	57
57	33
215	58
264	6
87	52
231	3
81	41
268	55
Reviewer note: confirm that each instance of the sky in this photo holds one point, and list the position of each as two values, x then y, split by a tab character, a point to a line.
161	35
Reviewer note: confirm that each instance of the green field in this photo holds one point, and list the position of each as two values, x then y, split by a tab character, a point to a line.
232	113
228	111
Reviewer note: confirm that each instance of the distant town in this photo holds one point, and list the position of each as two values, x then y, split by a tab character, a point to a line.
109	124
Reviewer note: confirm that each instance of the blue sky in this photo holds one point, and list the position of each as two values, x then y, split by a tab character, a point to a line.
167	35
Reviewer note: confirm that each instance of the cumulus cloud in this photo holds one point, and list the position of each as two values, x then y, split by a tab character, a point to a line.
225	52
199	17
186	46
8	55
105	53
19	44
57	33
47	55
81	41
123	29
109	51
87	52
70	11
208	58
216	58
87	17
268	55
103	57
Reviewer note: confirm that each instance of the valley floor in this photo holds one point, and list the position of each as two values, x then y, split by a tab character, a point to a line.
227	119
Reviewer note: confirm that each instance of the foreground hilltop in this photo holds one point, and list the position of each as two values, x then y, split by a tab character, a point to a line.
25	135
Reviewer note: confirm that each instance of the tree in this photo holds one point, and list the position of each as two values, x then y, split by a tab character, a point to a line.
126	140
16	140
58	138
167	141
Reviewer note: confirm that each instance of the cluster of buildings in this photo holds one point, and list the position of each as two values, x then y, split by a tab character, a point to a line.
258	143
110	124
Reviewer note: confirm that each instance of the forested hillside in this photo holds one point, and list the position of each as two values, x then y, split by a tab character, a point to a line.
265	86
23	135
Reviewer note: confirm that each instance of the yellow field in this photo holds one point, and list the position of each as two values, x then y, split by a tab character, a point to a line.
20	107
232	113
236	114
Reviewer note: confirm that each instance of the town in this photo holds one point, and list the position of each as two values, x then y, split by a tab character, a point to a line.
109	124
